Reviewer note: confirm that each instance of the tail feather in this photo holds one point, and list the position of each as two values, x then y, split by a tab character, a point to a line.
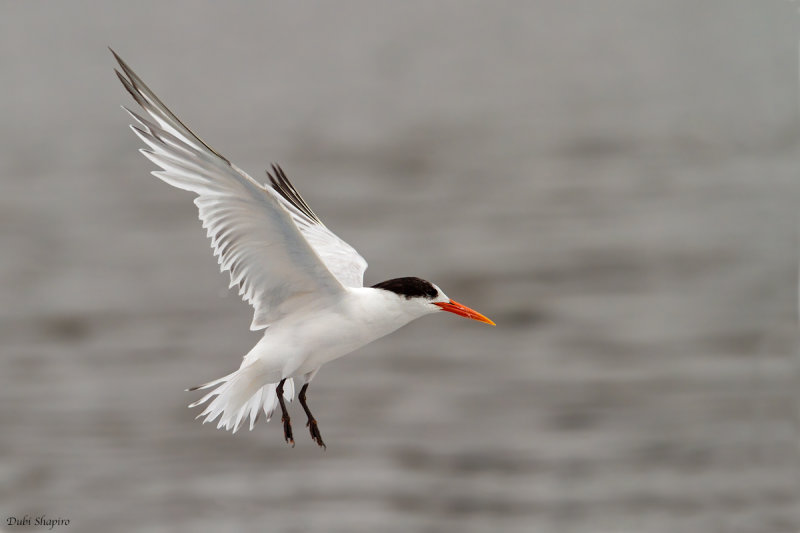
240	395
254	406
271	401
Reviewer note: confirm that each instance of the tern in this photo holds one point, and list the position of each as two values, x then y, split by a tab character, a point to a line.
304	283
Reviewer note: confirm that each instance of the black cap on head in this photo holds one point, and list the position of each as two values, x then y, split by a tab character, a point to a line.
409	287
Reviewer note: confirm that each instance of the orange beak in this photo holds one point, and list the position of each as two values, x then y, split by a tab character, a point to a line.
462	310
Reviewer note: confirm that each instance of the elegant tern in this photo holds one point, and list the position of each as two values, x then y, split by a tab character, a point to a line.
304	283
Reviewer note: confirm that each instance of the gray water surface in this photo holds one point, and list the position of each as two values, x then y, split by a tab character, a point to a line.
614	183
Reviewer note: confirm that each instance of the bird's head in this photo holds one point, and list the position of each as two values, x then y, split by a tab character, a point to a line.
425	298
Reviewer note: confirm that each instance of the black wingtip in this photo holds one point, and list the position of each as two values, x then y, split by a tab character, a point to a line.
124	66
116	56
147	99
284	187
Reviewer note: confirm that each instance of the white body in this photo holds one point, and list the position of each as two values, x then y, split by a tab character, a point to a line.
299	344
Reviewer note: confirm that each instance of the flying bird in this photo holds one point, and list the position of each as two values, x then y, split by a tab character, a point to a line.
304	283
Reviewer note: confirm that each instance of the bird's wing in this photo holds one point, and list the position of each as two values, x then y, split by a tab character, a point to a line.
253	234
340	258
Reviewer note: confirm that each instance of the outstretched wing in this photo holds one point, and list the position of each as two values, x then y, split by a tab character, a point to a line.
253	234
340	258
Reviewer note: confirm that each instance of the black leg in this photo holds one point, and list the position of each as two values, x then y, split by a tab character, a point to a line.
287	423
311	424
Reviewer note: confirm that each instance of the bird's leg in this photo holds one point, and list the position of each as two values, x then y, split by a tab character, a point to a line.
312	423
287	422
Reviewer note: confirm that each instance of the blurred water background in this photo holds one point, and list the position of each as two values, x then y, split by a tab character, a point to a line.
615	183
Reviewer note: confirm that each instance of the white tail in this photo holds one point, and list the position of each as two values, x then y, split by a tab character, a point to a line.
239	394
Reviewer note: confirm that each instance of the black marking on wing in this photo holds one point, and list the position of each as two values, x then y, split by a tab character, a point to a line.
281	183
142	93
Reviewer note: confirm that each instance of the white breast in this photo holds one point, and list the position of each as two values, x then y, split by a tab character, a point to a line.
304	341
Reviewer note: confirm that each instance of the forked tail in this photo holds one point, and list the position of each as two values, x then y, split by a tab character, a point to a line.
238	395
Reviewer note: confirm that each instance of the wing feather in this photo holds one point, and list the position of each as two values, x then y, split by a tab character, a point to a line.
253	234
341	259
